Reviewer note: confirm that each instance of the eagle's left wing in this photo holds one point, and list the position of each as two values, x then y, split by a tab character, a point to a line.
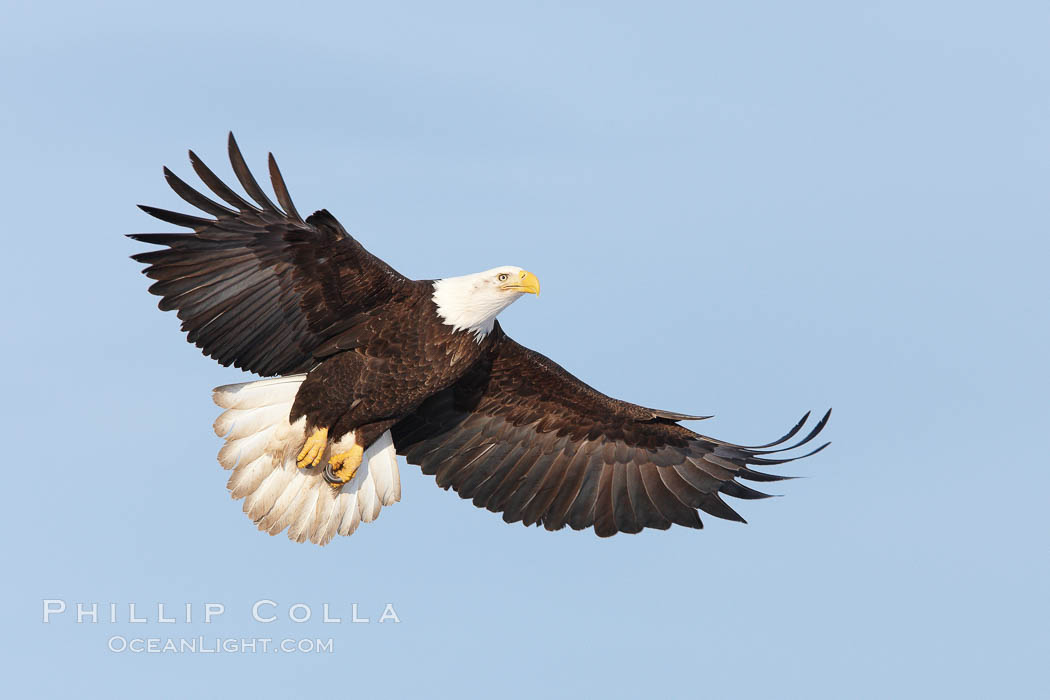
522	436
255	284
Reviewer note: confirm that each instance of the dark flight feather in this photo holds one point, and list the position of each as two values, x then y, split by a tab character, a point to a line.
281	189
247	180
195	198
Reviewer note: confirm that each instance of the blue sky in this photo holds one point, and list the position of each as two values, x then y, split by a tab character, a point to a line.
746	209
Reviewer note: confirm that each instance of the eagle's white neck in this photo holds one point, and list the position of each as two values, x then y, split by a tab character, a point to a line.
471	302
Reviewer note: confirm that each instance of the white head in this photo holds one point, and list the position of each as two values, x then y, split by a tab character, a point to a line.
472	302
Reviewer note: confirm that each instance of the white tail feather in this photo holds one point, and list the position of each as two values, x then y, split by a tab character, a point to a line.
261	447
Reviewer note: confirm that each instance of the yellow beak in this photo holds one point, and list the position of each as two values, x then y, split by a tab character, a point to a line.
526	284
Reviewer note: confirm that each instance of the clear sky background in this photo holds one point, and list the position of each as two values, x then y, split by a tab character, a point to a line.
745	209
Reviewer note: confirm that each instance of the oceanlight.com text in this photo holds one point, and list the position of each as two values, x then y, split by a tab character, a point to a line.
120	644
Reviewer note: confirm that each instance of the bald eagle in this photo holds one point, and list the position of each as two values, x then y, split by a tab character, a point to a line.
368	364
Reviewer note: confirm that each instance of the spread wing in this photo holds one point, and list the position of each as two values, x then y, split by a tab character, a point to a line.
521	436
256	286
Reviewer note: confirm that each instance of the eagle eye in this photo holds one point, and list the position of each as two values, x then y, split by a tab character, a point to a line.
503	277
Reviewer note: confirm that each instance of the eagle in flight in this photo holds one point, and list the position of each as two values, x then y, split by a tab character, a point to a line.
367	364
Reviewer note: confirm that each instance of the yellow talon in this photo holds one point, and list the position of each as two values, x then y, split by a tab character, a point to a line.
310	455
343	466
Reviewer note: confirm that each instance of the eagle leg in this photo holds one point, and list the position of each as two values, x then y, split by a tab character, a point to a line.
310	455
342	466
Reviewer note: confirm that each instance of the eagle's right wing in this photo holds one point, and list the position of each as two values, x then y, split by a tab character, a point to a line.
521	436
257	286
